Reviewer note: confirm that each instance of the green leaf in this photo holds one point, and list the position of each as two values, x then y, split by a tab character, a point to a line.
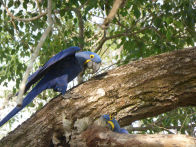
62	12
75	20
31	104
158	22
136	12
178	24
169	34
10	3
25	5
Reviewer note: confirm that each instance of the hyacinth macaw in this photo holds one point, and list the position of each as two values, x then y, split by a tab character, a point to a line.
56	74
113	124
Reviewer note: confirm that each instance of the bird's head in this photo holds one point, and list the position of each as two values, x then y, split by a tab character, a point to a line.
89	59
112	122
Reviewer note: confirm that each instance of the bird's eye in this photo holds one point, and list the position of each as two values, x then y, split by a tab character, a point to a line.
111	117
91	56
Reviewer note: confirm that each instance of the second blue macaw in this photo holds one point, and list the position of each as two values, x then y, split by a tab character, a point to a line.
113	124
56	74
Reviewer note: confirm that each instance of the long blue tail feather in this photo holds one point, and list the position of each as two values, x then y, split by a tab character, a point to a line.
28	99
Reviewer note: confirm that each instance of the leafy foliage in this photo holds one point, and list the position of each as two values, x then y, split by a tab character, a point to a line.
143	28
181	120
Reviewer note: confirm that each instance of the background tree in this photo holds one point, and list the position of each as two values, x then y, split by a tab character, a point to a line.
139	29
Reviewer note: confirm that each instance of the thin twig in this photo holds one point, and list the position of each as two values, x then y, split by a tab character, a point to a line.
35	54
81	27
13	23
104	39
40	11
99	40
164	128
94	37
107	48
186	119
23	19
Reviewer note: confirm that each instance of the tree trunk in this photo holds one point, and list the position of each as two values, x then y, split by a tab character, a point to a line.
134	91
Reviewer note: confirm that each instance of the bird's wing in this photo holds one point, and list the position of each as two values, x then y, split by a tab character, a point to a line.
51	62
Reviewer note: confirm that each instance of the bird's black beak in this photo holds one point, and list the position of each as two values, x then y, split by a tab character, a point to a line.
93	66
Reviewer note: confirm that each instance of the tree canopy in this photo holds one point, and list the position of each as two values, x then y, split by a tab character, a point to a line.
140	28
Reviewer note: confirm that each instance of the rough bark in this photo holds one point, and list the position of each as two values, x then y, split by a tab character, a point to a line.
102	137
134	91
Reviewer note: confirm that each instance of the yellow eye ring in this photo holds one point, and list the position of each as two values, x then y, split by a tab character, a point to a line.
111	117
91	56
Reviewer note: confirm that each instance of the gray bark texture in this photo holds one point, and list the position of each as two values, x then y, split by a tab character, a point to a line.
135	91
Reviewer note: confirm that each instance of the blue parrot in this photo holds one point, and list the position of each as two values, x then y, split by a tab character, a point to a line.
113	124
56	74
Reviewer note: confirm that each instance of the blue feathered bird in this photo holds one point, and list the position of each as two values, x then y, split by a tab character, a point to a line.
56	74
113	124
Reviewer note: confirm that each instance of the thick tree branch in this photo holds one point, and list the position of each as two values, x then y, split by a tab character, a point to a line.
135	91
115	7
97	136
35	54
151	127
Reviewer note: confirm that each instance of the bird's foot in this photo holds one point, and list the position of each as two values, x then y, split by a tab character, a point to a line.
71	95
19	105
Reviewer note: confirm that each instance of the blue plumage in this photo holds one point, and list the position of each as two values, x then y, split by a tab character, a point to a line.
56	74
113	124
